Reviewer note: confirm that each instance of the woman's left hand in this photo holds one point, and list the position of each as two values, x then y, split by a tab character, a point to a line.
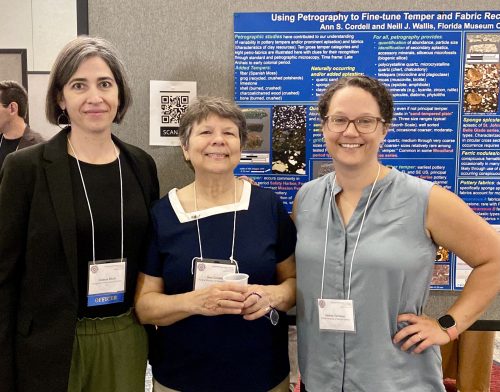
260	299
421	333
258	302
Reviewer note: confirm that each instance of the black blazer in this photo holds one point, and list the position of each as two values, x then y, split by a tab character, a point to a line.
38	262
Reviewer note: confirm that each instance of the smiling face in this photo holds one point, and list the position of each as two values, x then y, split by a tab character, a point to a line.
91	97
213	146
351	149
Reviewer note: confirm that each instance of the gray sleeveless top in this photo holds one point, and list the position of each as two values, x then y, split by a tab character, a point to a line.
391	274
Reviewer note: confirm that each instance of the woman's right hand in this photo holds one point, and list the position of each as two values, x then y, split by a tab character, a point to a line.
155	307
219	298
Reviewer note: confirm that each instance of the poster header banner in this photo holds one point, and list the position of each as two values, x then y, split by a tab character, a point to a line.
367	21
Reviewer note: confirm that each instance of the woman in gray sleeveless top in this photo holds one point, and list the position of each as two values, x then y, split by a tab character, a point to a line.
367	239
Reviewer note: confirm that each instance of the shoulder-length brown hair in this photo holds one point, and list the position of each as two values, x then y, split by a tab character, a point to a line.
74	53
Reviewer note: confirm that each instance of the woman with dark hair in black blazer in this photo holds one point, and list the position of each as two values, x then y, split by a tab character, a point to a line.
73	229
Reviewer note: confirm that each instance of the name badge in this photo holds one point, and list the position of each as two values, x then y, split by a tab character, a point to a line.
336	315
210	271
106	282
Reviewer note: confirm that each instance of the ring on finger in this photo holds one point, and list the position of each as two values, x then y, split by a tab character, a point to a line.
257	294
420	336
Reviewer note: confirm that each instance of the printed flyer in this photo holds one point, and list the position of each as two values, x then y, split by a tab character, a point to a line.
167	102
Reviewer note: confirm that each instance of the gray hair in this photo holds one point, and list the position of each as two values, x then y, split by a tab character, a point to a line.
74	53
203	107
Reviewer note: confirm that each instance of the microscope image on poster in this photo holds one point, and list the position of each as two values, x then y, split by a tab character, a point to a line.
321	167
289	139
481	73
441	271
257	147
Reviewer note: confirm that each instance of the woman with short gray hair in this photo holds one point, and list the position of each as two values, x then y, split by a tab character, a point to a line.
213	334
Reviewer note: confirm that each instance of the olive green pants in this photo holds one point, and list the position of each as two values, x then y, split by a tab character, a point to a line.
109	355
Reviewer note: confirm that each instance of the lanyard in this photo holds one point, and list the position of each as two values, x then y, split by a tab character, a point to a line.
357	239
88	201
17	148
231	258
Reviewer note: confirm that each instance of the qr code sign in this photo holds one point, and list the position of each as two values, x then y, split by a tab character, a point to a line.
173	107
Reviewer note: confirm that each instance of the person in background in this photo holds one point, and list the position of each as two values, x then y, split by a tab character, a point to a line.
367	236
74	218
211	334
15	134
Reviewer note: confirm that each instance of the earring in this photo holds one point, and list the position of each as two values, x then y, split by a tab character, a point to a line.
63	118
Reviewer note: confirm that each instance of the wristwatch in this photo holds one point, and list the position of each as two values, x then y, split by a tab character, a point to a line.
449	325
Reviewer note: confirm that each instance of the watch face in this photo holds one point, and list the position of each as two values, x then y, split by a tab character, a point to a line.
446	321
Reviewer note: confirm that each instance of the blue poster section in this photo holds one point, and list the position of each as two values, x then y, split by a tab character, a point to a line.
443	69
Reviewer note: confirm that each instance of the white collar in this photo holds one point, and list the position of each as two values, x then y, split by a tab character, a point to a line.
184	216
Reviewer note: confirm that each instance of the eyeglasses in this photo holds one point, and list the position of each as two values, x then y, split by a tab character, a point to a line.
365	124
272	315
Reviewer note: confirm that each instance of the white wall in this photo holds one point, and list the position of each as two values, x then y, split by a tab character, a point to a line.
15	25
37	91
42	27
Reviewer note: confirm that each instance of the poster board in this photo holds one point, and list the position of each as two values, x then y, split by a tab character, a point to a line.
13	65
443	69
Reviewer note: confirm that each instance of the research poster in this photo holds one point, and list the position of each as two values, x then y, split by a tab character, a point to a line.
442	68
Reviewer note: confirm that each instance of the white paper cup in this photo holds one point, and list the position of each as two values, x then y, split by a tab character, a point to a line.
236	278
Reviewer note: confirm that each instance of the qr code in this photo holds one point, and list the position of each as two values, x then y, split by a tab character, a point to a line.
173	107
